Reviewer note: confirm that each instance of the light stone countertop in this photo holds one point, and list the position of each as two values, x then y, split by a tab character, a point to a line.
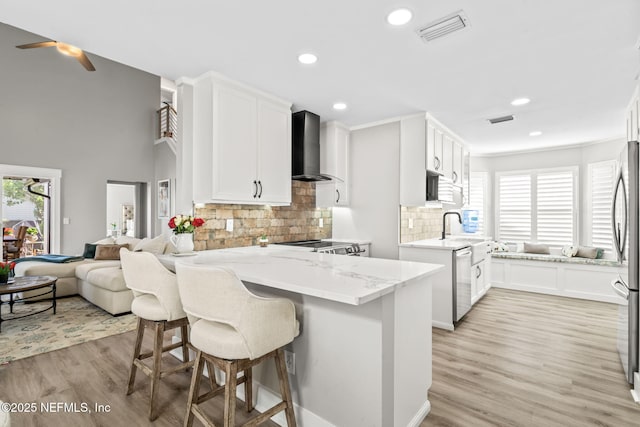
347	279
447	244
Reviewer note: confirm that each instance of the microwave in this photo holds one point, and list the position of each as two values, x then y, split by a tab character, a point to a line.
439	188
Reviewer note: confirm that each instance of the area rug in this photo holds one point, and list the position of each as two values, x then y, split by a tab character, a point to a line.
76	321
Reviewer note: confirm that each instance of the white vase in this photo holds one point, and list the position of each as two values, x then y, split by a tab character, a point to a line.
183	242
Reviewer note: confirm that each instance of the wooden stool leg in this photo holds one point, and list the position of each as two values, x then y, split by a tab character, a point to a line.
136	354
185	340
248	389
284	387
157	368
212	375
198	369
230	383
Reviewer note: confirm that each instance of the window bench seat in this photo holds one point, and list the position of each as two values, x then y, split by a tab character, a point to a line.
573	277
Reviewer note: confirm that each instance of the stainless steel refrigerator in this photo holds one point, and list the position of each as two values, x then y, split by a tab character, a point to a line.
625	216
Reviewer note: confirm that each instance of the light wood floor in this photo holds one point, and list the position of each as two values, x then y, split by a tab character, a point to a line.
524	359
519	359
98	372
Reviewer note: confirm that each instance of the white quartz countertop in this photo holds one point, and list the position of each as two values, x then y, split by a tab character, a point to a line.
347	279
447	244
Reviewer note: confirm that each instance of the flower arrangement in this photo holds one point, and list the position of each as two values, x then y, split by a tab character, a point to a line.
185	224
32	231
7	231
6	267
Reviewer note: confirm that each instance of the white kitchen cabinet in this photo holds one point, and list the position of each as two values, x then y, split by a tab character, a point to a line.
457	174
480	279
633	117
425	144
242	144
334	162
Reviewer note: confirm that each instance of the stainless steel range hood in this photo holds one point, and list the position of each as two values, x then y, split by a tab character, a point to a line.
305	150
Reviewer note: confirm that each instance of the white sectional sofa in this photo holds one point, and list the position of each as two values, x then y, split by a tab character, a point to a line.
99	281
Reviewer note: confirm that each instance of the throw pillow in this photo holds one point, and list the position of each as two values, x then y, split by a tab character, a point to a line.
154	246
569	250
587	252
111	252
89	250
536	249
130	242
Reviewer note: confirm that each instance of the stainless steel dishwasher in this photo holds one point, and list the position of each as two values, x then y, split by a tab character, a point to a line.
461	282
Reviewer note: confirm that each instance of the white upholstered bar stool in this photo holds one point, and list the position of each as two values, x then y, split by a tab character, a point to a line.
158	307
234	330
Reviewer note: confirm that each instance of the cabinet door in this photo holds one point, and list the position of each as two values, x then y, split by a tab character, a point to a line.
431	146
437	151
457	174
330	194
235	144
274	153
447	156
334	150
413	174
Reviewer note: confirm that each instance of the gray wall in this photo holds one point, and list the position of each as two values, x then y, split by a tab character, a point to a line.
374	176
95	126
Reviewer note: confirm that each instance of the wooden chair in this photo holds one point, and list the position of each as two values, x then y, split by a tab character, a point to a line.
158	307
234	330
14	249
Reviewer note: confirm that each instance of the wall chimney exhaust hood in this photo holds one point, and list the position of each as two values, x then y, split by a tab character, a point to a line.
305	149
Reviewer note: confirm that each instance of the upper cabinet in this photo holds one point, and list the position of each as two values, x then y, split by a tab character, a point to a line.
633	116
427	144
334	162
241	144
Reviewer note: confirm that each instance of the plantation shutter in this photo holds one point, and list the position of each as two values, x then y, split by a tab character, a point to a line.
514	208
601	180
477	186
555	213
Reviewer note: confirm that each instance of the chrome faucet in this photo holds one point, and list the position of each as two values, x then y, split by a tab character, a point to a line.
444	221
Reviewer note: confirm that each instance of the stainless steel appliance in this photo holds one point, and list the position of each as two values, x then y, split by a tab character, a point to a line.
325	246
461	282
625	216
305	147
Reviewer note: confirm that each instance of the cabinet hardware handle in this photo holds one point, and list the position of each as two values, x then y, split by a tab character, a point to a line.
455	177
260	194
478	272
338	195
255	189
437	162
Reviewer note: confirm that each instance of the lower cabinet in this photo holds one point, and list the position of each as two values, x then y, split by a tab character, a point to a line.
480	279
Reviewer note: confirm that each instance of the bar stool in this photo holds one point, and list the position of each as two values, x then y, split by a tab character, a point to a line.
234	330
158	307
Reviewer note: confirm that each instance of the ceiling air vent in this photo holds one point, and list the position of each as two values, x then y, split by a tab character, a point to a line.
444	26
501	119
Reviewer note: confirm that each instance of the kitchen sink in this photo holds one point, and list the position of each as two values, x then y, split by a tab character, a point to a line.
470	239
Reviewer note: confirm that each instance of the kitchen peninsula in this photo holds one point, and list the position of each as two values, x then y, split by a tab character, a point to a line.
363	356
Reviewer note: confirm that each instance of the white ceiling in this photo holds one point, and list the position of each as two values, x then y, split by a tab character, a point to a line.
576	59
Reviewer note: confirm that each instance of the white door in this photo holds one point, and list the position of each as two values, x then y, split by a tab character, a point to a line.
431	146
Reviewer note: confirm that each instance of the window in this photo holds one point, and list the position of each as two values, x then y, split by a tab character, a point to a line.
600	192
537	206
477	193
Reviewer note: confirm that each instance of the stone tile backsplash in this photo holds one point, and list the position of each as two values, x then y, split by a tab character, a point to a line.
299	221
427	223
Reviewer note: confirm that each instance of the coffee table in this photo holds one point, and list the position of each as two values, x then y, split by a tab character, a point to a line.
27	283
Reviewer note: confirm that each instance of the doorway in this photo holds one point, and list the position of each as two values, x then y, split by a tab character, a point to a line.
126	209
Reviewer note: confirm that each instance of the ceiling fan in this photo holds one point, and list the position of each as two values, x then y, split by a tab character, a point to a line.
65	49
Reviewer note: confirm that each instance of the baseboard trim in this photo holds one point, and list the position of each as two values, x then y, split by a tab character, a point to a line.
442	325
420	415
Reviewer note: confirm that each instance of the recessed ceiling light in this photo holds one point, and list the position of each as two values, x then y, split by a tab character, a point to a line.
535	133
520	101
339	106
399	17
307	58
